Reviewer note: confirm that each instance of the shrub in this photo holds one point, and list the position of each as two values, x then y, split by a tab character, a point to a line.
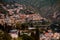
26	37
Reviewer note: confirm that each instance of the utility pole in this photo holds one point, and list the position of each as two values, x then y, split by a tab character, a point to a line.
37	33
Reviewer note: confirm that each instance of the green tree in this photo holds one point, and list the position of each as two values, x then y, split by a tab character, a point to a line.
4	35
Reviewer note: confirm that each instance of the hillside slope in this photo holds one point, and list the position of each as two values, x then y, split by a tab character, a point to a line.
47	8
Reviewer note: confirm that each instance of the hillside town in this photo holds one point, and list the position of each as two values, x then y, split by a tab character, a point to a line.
12	18
17	20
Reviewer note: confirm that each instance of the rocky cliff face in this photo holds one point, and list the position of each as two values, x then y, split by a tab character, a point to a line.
54	12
